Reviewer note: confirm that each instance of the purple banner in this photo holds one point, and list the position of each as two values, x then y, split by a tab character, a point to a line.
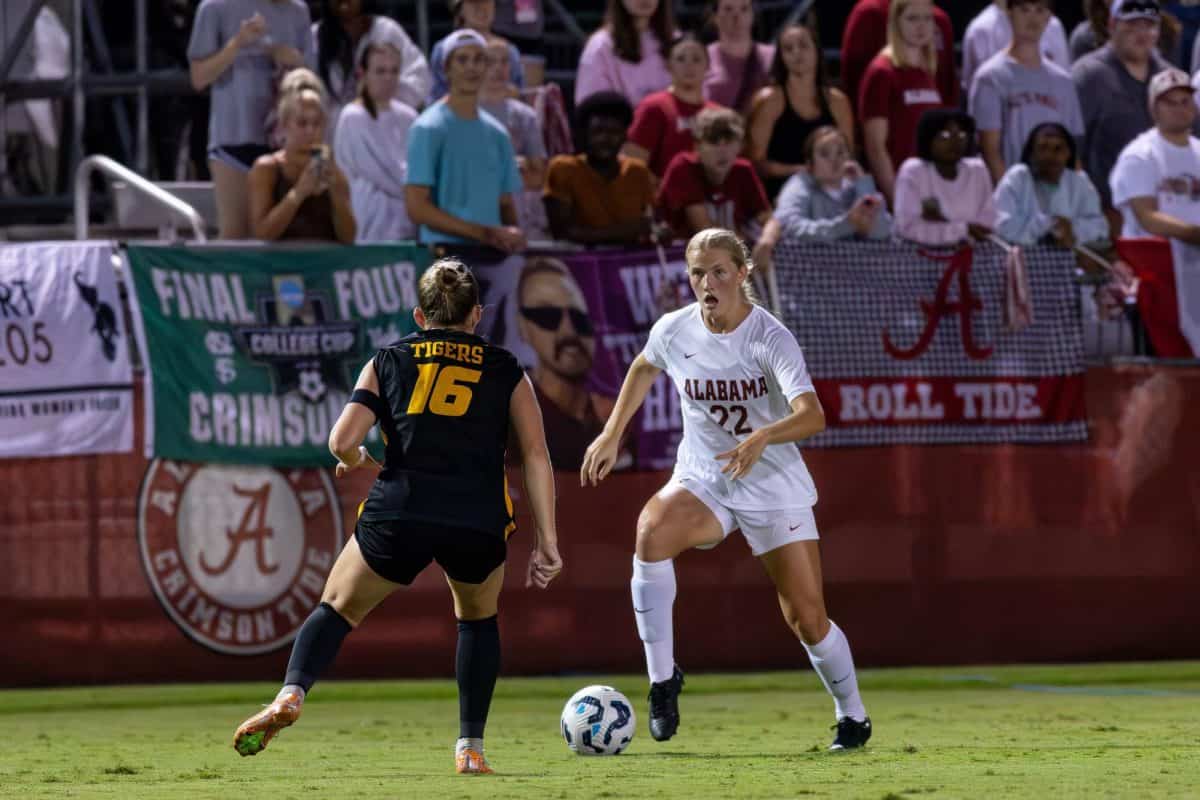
576	321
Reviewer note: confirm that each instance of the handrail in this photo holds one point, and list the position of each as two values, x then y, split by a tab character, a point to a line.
568	20
113	169
423	25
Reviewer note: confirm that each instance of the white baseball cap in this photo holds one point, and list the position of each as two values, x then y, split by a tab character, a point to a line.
1134	9
1166	81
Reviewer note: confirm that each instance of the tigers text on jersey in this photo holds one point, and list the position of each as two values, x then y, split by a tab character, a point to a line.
447	394
730	385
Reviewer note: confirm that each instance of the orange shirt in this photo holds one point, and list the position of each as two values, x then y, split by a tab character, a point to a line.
597	202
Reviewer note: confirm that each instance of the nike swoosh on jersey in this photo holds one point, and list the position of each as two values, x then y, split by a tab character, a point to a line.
688	355
793	527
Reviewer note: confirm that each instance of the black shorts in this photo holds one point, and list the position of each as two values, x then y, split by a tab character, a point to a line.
398	550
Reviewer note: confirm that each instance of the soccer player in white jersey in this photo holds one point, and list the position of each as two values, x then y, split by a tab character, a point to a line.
747	400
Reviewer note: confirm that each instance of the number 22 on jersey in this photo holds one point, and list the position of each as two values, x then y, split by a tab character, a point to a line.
740	426
444	390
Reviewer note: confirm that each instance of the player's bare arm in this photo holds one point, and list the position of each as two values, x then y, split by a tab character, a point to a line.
545	562
346	438
807	418
601	454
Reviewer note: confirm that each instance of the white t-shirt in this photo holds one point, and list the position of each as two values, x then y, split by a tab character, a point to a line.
730	385
371	152
1150	166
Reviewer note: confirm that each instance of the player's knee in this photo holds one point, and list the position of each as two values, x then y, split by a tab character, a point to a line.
808	621
473	605
341	603
475	609
649	538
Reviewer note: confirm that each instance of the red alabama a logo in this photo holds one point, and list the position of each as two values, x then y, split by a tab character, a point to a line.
966	305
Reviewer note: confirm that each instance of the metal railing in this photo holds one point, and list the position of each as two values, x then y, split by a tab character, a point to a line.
113	169
81	84
568	21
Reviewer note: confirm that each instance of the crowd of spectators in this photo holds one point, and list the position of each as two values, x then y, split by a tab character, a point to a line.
344	130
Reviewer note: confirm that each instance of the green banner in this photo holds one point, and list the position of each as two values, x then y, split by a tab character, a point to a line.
253	353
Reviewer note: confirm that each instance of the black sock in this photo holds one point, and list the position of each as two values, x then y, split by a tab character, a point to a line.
476	665
316	646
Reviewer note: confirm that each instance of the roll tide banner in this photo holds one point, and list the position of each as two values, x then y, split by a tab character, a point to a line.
253	353
910	346
66	382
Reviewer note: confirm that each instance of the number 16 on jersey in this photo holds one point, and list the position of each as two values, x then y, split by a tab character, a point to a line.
443	390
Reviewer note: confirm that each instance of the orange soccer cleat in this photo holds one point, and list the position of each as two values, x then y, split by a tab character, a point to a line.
253	735
471	762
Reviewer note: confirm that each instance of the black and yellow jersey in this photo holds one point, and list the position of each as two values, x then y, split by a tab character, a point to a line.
447	394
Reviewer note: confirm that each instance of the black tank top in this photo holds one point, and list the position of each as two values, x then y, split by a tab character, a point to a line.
446	394
789	134
314	217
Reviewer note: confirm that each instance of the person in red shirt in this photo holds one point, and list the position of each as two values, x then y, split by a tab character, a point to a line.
712	187
865	35
898	87
662	122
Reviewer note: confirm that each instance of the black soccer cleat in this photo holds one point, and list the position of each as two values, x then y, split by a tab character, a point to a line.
851	733
664	706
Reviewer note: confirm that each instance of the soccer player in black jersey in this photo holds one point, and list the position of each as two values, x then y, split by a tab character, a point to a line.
444	399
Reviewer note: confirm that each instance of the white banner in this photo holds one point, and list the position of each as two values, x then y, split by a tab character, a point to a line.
66	382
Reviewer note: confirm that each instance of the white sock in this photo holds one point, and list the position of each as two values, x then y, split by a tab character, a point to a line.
653	587
468	744
290	689
831	659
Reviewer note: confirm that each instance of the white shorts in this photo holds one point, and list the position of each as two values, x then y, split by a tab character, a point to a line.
764	531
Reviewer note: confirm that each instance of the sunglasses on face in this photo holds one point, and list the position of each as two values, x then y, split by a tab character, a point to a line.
549	318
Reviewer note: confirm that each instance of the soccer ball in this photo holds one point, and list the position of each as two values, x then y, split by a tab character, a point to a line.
598	721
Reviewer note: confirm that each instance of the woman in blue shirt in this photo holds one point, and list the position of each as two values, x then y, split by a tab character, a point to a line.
1045	198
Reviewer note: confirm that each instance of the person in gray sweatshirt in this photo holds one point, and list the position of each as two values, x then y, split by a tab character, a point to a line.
832	198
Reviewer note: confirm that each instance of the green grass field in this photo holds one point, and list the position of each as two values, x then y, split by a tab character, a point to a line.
1127	730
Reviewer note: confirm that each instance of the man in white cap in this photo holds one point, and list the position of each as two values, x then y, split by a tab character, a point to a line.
1112	85
462	174
1156	182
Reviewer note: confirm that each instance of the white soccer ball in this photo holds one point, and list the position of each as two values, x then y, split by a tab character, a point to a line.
598	721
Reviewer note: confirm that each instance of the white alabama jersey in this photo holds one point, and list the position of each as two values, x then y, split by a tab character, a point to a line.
730	385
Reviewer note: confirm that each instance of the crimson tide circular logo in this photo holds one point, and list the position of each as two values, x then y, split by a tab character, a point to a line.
237	555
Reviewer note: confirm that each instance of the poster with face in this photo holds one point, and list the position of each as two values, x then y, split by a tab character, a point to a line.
576	321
